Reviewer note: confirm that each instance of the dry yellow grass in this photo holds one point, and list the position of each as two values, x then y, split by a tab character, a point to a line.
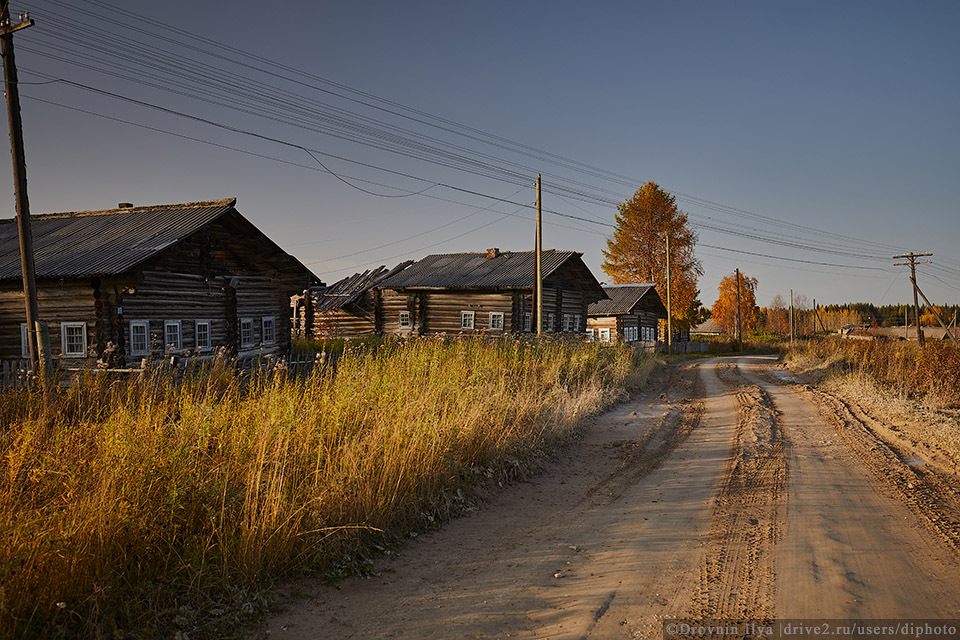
148	508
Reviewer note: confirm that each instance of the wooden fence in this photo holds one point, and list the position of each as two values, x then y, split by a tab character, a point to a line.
14	374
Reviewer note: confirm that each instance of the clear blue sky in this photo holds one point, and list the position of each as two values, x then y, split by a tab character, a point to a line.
838	117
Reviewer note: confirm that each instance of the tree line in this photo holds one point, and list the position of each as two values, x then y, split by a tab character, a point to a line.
652	232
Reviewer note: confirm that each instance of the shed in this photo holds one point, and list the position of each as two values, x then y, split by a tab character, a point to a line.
629	314
124	284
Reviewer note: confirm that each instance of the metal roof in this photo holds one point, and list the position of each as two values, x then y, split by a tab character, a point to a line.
343	292
108	242
625	298
509	269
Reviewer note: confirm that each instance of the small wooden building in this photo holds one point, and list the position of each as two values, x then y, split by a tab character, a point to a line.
461	293
629	314
343	309
138	282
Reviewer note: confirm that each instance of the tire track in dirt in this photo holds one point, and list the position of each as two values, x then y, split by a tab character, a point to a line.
643	455
929	492
737	576
852	546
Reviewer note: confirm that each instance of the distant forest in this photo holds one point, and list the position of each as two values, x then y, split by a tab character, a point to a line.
891	315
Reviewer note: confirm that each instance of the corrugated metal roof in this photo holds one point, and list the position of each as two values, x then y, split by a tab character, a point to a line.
341	293
95	243
474	270
624	298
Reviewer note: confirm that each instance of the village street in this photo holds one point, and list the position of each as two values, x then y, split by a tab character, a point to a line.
725	490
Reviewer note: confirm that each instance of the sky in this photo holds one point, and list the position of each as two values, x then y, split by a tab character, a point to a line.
808	142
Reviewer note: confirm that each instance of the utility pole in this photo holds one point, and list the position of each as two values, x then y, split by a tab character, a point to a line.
935	313
538	273
912	257
669	304
11	88
791	317
739	330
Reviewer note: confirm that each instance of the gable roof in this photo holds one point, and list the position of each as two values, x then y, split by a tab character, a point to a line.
708	326
349	289
508	270
107	242
624	299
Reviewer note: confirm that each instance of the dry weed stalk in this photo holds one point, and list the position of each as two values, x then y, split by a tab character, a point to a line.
119	499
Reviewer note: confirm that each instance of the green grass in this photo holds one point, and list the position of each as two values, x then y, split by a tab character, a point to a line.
147	508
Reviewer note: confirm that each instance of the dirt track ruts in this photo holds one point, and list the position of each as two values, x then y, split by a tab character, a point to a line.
721	491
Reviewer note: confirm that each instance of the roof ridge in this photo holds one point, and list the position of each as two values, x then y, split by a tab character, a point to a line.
623	285
222	202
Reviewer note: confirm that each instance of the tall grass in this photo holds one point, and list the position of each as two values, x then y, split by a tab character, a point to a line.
930	375
150	508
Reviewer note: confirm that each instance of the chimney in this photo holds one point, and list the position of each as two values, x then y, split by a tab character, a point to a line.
493	253
125	205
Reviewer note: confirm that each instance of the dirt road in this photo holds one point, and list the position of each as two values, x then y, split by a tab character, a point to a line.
726	490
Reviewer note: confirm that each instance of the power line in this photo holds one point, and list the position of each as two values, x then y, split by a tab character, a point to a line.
371	100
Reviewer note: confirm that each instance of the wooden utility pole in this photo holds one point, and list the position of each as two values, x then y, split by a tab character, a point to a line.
739	329
11	88
816	318
791	317
669	305
912	257
538	271
934	311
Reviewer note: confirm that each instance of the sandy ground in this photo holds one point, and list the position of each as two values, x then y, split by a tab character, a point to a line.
726	490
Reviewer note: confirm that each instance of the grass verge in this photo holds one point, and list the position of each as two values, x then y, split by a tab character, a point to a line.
157	509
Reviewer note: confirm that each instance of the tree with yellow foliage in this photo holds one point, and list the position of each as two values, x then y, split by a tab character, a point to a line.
725	308
637	252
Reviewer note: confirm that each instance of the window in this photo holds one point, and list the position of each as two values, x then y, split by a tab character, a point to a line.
172	335
73	337
589	333
549	326
649	334
466	319
603	335
246	332
527	321
202	335
269	334
24	341
496	321
404	322
139	337
567	323
576	323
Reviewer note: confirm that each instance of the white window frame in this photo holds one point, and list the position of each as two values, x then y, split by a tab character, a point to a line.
272	321
64	330
527	321
467	320
496	321
145	325
24	341
169	347
252	340
567	323
603	334
576	323
589	334
549	318
403	320
208	346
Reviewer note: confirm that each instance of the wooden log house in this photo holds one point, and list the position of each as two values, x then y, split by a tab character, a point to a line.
121	285
629	314
487	293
